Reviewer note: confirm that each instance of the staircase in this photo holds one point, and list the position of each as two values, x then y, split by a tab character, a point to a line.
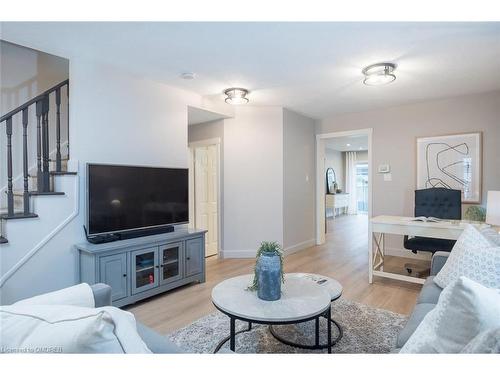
38	180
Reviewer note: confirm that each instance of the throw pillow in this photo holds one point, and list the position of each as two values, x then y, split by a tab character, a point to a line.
68	329
464	310
472	256
76	295
485	342
492	235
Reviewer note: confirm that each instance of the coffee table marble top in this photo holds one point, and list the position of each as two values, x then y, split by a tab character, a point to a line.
331	285
301	299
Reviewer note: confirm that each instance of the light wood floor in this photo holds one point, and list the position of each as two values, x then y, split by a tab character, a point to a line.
344	257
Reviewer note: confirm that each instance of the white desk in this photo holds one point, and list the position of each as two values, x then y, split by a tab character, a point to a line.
381	225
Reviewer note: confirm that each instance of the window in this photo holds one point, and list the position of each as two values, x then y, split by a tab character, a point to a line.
362	186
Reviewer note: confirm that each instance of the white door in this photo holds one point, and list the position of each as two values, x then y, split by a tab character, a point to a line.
206	195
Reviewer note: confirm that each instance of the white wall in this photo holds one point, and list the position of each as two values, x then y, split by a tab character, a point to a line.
115	118
394	142
298	181
253	179
362	156
206	130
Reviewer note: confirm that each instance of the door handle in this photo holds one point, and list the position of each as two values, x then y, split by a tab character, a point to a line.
124	275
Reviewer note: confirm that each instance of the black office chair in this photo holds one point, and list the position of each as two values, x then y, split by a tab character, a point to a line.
440	203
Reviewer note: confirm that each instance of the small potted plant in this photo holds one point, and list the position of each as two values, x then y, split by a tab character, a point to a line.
268	271
475	213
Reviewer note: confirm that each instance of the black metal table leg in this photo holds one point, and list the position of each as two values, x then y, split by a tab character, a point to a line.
227	338
232	334
317	331
329	317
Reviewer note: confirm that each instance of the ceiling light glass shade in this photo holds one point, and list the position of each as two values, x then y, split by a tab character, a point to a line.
379	74
379	79
236	95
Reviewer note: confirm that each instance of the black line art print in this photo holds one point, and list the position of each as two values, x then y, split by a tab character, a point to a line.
448	166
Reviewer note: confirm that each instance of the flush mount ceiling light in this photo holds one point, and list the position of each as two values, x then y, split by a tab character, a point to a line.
379	74
236	95
188	75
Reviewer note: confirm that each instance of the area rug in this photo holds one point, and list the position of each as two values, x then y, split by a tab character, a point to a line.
365	330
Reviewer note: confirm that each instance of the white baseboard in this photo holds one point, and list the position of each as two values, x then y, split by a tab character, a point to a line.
237	254
300	246
404	253
242	254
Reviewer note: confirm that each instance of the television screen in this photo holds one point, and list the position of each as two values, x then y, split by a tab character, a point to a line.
123	198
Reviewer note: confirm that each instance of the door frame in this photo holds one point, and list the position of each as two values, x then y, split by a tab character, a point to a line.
192	217
320	176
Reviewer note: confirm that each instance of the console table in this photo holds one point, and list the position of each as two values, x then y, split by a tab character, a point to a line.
142	267
339	201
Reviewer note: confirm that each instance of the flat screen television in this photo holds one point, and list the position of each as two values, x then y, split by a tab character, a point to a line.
131	198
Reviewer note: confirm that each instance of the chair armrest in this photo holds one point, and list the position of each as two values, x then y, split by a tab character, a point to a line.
102	294
438	260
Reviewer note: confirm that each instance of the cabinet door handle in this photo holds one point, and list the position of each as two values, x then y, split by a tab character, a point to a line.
188	258
124	275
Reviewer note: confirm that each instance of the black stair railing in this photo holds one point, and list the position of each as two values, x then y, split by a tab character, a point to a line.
42	106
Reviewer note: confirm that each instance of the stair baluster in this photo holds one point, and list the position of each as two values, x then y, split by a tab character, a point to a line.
43	173
26	196
39	111
10	193
58	130
45	145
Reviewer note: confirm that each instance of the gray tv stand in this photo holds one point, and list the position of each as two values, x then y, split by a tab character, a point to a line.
142	267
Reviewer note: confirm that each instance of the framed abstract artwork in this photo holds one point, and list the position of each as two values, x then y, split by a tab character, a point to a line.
453	162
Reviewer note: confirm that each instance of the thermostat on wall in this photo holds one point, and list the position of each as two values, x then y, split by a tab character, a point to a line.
384	168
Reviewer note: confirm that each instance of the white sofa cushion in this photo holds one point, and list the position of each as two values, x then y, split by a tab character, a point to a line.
473	256
68	329
76	295
464	310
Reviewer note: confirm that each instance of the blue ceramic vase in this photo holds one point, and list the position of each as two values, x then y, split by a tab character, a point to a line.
269	276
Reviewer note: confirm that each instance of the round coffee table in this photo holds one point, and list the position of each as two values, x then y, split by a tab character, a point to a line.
301	300
334	288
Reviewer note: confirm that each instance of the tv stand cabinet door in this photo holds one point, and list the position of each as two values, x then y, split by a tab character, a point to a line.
113	271
195	259
144	269
171	262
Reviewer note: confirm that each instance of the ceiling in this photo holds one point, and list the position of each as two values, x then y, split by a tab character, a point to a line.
312	68
348	143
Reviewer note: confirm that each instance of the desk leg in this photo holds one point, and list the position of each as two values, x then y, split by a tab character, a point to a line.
382	250
370	256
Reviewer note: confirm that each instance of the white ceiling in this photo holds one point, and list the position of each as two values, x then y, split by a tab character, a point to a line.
312	68
348	143
199	116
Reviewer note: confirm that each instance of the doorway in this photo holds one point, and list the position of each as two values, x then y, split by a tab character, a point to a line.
205	191
348	153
